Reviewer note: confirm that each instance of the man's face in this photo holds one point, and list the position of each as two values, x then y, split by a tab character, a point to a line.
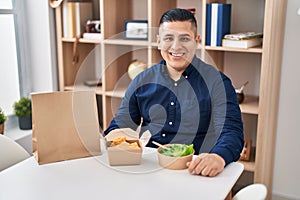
177	42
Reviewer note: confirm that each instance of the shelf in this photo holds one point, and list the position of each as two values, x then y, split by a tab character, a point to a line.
127	42
250	165
119	93
82	87
68	39
90	41
250	50
250	105
81	40
154	44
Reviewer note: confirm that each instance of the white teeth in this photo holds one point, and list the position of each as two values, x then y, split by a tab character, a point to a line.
177	54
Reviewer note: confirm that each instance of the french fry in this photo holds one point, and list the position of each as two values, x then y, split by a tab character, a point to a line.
119	140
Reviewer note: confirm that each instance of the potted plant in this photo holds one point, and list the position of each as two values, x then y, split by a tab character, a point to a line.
22	110
2	120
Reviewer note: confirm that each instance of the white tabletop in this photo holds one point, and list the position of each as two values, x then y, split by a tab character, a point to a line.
92	178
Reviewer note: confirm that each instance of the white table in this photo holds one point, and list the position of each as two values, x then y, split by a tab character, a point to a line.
92	178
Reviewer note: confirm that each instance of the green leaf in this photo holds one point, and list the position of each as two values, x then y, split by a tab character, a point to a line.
188	150
3	117
22	107
177	150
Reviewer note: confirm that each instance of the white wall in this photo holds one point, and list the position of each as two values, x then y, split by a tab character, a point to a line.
287	160
40	34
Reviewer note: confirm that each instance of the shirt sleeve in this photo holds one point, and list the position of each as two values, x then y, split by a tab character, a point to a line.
228	121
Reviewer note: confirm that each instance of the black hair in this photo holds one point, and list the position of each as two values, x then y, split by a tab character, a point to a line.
178	14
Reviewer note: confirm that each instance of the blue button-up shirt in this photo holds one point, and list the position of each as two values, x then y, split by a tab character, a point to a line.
200	108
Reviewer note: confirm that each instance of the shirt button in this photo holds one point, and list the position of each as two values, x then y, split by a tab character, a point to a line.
175	84
170	123
186	76
164	135
172	103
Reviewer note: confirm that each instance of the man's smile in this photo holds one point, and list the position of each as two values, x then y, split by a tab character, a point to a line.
177	54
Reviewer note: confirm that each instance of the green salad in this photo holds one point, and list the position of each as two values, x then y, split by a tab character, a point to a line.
177	150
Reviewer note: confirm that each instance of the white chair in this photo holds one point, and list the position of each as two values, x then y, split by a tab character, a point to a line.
254	191
10	152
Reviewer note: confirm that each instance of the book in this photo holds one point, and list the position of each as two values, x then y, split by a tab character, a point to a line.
208	25
92	36
75	16
245	44
68	20
218	18
243	35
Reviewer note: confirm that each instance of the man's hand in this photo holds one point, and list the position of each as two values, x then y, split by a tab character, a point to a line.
206	164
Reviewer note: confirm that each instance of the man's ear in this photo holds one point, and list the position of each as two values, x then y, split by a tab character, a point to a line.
158	42
198	39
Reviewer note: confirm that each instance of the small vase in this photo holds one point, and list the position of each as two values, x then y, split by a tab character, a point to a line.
240	97
25	123
2	128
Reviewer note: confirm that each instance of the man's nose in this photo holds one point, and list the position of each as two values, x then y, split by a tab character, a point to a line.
175	44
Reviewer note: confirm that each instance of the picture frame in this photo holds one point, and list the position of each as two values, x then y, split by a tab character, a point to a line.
245	154
136	29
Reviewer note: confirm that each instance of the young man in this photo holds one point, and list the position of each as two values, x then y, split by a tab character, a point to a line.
184	100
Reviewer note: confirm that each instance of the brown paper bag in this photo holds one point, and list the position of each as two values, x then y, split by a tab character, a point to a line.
65	126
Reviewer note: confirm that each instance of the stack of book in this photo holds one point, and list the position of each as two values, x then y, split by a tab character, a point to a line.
243	40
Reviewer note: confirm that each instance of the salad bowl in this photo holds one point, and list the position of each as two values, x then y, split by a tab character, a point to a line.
175	156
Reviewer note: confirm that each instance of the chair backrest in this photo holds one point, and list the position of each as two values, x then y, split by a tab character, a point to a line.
10	152
254	191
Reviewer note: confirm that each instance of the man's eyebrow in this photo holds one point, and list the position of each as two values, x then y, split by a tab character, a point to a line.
180	35
185	35
169	34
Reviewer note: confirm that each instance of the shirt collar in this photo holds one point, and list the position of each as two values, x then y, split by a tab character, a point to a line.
186	72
